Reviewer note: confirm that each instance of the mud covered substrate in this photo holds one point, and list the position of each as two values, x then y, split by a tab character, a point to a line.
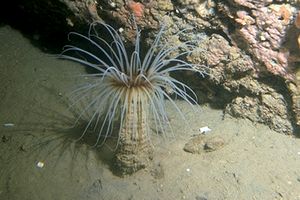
36	126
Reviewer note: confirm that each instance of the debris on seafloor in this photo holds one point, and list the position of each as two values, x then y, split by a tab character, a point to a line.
204	130
40	164
8	125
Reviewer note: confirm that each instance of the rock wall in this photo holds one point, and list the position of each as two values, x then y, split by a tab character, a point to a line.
268	31
250	46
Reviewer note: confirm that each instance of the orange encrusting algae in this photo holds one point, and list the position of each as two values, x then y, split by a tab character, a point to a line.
137	8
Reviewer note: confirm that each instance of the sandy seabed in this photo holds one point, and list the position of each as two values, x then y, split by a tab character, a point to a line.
40	160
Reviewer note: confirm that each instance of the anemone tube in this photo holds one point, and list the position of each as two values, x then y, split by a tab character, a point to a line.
131	89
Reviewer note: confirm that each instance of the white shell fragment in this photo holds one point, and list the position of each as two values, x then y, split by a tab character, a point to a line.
204	129
8	125
121	30
113	4
40	164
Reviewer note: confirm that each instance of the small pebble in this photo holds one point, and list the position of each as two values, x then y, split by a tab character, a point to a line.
22	148
121	30
40	164
5	138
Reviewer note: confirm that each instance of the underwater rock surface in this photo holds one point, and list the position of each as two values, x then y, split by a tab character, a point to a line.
251	47
255	163
201	144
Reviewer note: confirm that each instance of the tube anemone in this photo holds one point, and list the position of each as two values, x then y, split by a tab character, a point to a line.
130	88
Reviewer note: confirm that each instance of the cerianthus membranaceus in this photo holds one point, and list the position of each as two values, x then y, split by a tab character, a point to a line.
129	89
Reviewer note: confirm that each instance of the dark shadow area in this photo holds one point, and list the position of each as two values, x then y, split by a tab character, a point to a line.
52	138
292	45
206	91
44	25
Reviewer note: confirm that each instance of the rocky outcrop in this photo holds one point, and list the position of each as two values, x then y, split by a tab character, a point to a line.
250	46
